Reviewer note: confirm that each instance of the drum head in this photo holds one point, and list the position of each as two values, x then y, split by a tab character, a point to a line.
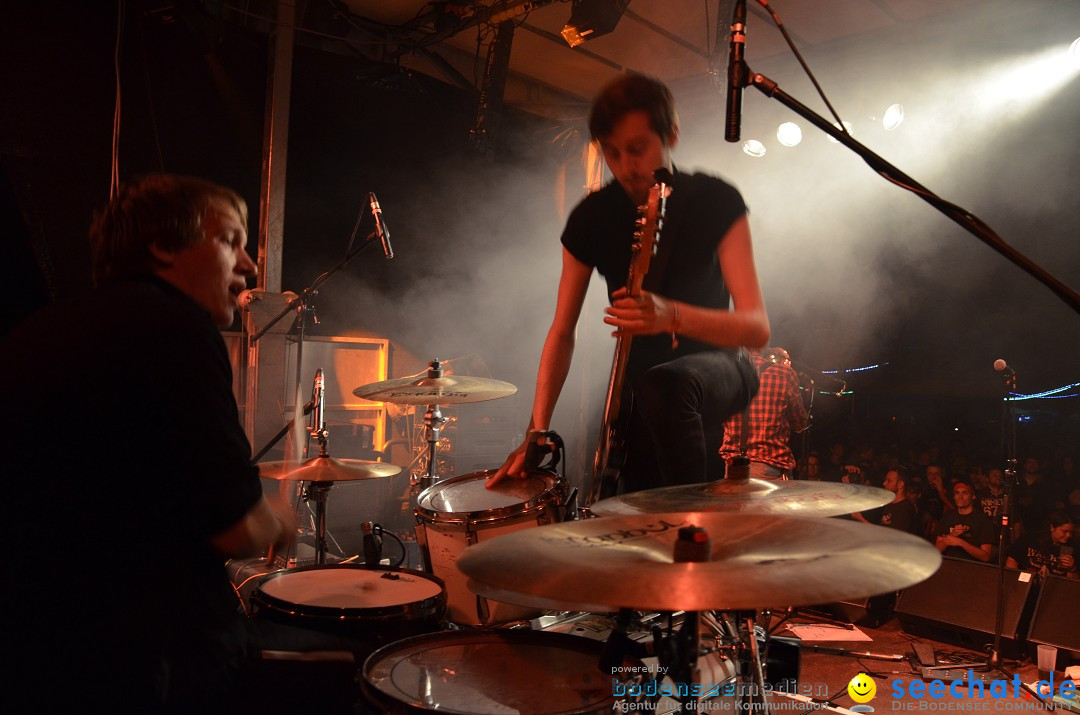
343	590
468	494
492	673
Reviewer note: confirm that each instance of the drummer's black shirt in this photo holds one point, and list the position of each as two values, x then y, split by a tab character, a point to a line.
125	456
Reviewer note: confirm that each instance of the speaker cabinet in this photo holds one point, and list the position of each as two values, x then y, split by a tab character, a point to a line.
1054	620
958	605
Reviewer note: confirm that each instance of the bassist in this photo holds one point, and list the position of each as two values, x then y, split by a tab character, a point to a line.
701	300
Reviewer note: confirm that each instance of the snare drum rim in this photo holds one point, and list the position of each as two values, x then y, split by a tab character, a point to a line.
563	641
555	493
432	606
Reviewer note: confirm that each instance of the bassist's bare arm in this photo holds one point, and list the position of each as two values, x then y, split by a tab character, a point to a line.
747	324
556	356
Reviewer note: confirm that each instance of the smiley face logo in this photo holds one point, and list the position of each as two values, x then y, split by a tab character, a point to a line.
862	688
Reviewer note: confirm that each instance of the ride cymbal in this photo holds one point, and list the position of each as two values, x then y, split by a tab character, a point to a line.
749	496
754	561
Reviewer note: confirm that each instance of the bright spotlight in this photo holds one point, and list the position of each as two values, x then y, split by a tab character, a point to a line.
894	115
789	134
754	148
1074	53
847	125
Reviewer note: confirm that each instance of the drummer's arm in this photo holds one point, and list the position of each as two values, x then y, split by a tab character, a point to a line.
267	523
556	356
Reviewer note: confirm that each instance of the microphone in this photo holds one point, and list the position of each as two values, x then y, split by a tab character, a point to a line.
380	226
318	421
1001	366
736	71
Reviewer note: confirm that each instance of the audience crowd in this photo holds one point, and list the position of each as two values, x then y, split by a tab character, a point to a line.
958	502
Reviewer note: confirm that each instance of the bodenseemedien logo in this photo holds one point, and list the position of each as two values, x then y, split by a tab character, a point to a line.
862	690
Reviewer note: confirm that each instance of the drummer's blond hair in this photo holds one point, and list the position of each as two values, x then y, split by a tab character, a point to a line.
163	210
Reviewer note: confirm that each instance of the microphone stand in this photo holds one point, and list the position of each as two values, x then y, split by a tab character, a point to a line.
994	662
301	304
1008	451
962	217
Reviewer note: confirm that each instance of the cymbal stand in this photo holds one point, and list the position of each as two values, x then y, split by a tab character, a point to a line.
319	492
433	424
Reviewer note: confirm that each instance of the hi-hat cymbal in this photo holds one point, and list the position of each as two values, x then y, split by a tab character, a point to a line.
749	496
327	469
444	390
755	561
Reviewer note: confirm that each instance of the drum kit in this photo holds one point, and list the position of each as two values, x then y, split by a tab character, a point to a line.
707	557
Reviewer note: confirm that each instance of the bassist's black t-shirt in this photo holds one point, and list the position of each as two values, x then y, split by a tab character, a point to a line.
700	210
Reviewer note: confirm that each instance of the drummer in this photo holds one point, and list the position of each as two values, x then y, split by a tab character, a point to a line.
685	368
120	596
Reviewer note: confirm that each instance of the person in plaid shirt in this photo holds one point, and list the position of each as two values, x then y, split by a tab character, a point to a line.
775	412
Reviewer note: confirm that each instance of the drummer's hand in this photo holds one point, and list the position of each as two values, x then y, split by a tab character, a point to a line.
645	314
286	515
511	467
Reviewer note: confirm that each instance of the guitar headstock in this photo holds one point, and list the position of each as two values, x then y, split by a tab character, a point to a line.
647	234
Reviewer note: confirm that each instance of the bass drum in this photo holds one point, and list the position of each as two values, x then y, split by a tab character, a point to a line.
461	511
494	672
370	606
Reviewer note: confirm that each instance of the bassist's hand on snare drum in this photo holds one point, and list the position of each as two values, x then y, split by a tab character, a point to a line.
513	466
644	314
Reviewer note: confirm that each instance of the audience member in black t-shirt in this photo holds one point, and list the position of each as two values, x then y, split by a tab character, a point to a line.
1049	552
965	532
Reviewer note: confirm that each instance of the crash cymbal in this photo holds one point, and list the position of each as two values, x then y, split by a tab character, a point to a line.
755	561
749	496
327	469
443	390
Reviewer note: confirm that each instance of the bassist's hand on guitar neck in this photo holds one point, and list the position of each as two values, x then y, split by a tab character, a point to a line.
644	314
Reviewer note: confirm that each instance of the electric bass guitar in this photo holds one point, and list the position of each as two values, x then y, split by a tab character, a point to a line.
611	447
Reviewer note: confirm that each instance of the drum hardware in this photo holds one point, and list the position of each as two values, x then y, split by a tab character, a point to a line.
320	473
434	389
433	422
493	672
364	607
461	511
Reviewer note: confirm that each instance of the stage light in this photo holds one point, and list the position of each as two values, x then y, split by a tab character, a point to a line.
592	18
754	148
847	125
894	116
789	134
1074	53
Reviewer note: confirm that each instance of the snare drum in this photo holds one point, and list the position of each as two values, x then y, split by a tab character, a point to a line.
374	605
489	672
462	511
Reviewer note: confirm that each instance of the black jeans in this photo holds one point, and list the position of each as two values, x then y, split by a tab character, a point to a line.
677	424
